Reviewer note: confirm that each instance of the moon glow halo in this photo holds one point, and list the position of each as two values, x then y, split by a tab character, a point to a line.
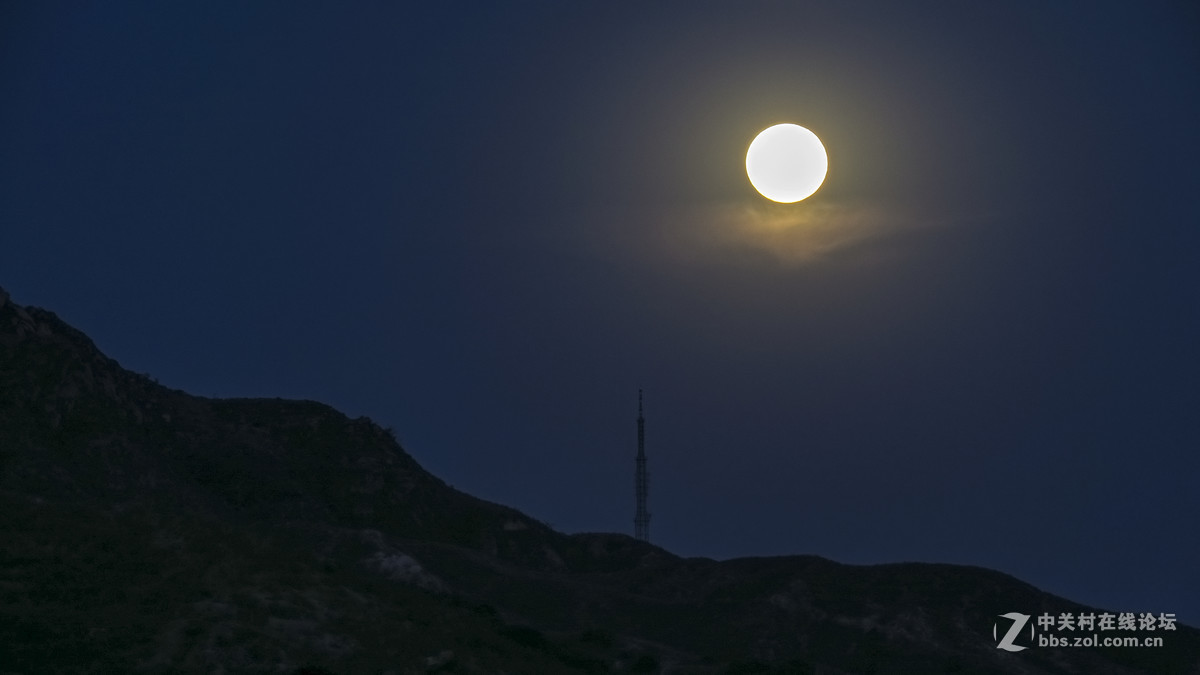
786	163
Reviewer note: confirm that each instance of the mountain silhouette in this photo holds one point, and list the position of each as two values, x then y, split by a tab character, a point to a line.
145	529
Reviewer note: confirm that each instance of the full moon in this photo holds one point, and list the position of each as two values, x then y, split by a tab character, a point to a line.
786	163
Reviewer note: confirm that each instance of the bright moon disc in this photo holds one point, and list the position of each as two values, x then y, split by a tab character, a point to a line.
786	163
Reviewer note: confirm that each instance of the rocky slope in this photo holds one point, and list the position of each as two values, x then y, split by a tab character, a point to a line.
147	530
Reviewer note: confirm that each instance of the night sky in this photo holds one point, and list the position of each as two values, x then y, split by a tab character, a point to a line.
487	228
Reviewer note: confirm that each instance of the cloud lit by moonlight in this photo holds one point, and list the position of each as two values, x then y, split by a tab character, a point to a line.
789	235
753	232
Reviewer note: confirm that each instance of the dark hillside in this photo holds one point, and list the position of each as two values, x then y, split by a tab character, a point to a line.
148	530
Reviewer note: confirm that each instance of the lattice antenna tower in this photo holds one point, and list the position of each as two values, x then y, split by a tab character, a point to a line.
641	519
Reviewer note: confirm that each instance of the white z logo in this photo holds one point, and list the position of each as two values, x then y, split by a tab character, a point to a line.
1019	621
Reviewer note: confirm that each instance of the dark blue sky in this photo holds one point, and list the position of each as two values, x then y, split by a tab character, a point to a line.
977	343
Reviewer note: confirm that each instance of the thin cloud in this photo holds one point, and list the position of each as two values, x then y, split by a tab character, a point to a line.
791	234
